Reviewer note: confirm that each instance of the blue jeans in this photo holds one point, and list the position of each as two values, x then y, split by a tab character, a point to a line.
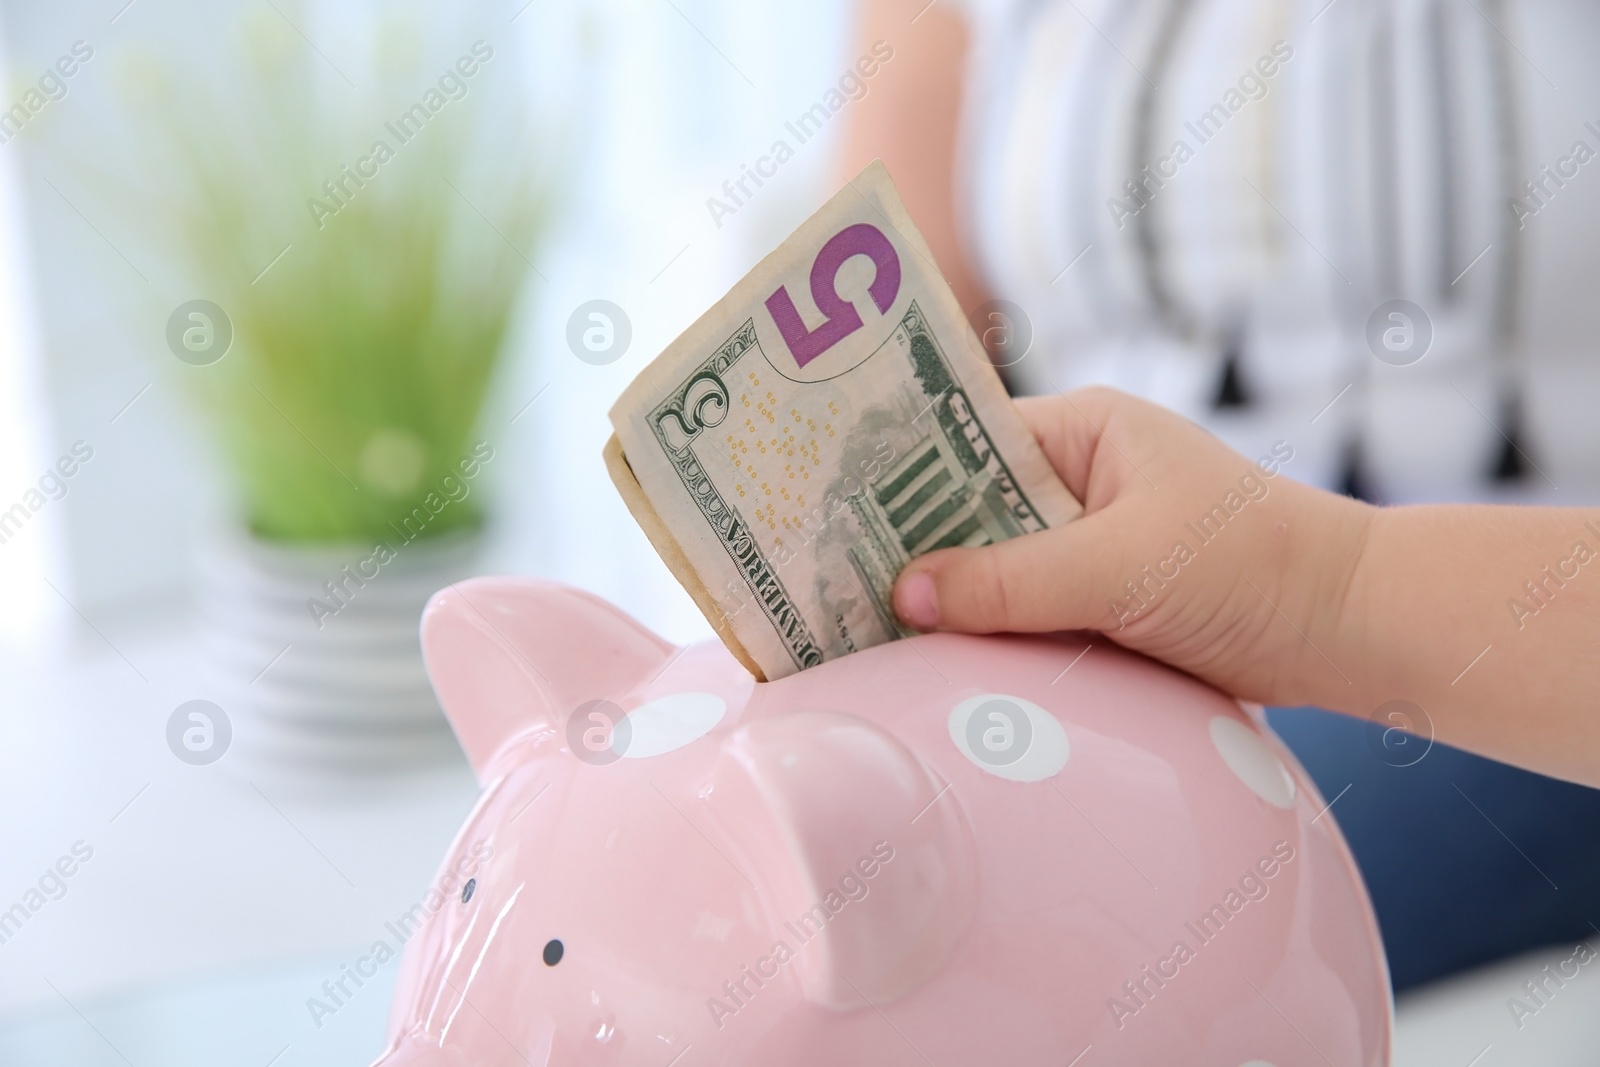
1467	860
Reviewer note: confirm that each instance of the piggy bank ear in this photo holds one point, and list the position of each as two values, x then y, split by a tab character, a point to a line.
854	850
505	654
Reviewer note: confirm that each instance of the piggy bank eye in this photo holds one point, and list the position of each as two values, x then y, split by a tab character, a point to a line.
466	890
552	953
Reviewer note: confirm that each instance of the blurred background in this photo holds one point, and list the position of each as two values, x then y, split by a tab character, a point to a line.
289	295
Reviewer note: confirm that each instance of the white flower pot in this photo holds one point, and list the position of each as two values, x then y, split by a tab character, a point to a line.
328	682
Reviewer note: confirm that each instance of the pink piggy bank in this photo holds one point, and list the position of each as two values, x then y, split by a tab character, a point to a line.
941	851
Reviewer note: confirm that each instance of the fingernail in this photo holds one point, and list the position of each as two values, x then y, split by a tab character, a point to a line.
917	602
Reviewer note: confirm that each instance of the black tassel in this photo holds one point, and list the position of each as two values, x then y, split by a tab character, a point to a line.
1511	465
1232	392
1352	474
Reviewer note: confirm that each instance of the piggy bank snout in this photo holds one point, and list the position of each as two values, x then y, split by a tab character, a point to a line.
865	863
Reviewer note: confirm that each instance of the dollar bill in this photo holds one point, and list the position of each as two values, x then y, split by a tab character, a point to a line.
829	419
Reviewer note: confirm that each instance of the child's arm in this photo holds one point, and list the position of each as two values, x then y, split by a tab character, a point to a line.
1488	618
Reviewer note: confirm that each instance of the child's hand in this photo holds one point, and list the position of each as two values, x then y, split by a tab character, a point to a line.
1485	619
1187	551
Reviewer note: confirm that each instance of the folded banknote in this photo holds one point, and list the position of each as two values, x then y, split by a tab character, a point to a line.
829	419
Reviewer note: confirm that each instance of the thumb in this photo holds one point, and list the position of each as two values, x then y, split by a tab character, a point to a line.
1064	578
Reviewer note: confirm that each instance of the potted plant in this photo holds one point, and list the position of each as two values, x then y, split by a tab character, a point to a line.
361	253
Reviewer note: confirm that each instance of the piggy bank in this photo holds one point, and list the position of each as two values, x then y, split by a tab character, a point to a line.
946	850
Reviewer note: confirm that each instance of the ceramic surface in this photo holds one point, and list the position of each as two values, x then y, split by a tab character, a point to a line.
948	850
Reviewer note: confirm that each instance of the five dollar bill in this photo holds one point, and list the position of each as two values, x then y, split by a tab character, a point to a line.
829	419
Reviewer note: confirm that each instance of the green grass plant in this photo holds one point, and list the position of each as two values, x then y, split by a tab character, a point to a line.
365	340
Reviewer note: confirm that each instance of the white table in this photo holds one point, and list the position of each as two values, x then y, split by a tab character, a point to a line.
215	904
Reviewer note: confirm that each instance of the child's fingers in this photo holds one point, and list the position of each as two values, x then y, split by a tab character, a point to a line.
1057	579
1085	436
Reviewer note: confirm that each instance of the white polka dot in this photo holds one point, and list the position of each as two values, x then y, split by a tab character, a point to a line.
1009	737
1248	757
670	722
1256	1063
